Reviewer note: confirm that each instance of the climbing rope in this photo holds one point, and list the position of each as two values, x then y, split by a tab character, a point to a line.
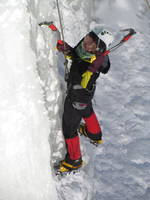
60	21
63	38
148	4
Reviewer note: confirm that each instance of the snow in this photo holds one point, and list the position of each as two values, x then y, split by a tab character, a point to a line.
24	149
32	91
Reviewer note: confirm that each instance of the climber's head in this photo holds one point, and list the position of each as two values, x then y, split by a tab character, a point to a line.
89	44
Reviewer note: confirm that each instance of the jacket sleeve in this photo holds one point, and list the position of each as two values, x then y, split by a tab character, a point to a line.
93	68
106	65
97	63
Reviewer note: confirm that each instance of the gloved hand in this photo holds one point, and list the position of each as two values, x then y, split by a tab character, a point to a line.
60	45
63	47
85	78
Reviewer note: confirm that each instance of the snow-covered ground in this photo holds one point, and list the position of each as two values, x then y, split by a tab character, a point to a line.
32	90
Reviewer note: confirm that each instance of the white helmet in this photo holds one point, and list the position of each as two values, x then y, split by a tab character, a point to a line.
105	35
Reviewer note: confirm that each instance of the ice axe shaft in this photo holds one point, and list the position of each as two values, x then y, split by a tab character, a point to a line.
131	32
129	35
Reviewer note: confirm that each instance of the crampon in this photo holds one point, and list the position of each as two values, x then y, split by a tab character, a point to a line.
83	132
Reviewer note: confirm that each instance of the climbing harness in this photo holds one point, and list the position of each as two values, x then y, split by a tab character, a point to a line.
63	38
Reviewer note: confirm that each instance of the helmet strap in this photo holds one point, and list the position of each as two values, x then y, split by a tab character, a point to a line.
98	42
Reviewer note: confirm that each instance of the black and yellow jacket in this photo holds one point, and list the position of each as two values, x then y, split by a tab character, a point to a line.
85	69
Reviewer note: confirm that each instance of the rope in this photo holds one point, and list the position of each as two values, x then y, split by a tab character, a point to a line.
60	21
148	4
63	38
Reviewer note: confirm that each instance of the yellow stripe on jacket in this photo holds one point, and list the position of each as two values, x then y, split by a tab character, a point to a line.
86	78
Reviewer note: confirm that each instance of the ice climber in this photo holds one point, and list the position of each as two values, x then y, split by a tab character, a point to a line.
88	62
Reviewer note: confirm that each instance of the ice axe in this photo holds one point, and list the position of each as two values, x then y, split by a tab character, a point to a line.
131	32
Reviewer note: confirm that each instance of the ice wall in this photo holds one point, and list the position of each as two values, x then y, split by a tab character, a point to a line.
25	171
